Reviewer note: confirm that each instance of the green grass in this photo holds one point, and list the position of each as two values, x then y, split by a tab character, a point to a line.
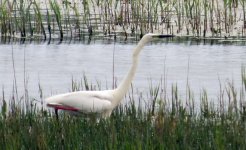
197	18
157	125
57	12
127	128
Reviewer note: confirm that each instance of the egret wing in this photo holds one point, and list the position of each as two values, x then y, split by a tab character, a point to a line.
85	101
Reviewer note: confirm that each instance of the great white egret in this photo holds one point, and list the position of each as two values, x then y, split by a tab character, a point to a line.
101	102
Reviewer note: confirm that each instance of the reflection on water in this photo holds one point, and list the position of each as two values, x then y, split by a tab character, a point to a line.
54	66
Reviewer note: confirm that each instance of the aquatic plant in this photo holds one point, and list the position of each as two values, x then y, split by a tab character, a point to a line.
163	122
56	9
71	20
39	23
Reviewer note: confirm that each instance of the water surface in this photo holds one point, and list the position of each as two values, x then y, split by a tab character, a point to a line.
54	66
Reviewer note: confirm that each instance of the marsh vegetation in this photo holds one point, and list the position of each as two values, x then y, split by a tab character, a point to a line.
81	19
164	122
155	119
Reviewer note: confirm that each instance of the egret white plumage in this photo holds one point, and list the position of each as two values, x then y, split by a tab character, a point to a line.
101	102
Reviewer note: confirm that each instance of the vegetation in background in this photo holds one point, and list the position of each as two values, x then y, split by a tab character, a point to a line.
113	18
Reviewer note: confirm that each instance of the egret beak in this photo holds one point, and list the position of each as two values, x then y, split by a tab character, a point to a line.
163	36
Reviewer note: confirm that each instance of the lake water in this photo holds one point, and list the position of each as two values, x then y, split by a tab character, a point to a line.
54	66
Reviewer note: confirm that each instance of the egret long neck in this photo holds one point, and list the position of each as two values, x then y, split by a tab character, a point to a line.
125	84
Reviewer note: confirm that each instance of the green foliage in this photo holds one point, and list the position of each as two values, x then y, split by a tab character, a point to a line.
121	131
57	11
160	126
69	19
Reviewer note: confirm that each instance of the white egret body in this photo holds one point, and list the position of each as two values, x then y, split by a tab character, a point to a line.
101	102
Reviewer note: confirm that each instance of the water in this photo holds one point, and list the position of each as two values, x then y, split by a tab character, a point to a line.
54	66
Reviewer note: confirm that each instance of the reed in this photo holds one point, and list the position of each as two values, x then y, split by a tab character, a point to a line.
39	19
49	25
198	18
77	21
156	124
4	15
243	3
56	9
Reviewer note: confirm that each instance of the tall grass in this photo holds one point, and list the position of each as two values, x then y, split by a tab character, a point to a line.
57	12
38	15
199	18
157	124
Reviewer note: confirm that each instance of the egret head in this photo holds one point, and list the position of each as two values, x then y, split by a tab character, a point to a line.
151	36
147	38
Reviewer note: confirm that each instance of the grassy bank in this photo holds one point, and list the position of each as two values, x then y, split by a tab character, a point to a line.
165	122
80	19
124	130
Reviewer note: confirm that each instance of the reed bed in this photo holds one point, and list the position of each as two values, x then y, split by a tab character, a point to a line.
80	19
164	122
